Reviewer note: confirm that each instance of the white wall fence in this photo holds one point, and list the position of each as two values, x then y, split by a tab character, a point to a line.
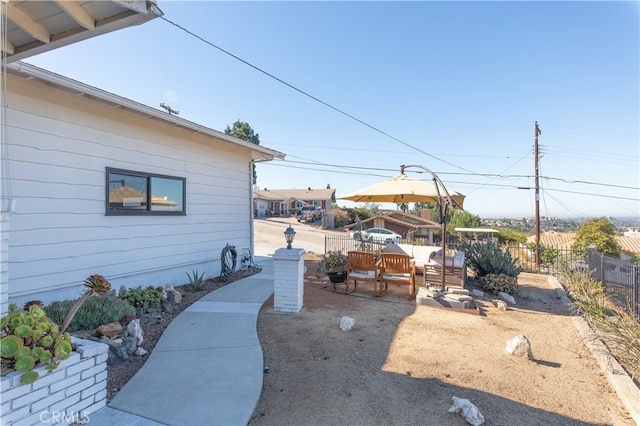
69	394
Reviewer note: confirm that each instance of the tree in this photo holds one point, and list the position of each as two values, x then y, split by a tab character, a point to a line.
506	236
462	219
599	232
242	130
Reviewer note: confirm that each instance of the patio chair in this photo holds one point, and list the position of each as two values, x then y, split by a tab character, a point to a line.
397	269
362	267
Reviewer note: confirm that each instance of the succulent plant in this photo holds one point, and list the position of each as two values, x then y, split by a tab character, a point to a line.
29	339
97	285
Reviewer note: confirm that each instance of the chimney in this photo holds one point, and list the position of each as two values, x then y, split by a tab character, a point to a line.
425	214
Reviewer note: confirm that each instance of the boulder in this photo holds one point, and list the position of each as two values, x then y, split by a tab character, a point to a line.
112	330
520	346
500	304
507	298
135	330
465	408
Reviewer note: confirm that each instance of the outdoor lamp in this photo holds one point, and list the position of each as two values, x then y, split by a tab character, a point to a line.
289	234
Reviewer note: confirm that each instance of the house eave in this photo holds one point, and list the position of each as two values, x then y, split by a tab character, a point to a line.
30	33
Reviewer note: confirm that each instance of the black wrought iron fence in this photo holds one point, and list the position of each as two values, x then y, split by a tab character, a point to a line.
345	244
620	279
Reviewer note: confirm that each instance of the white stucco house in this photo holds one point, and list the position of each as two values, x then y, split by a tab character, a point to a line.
98	184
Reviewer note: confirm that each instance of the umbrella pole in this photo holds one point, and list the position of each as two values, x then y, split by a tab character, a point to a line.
443	218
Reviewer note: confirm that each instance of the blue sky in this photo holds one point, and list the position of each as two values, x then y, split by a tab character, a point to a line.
452	86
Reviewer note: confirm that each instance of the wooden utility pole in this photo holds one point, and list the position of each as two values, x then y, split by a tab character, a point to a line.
536	133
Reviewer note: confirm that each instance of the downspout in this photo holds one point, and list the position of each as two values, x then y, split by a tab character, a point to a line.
7	202
251	227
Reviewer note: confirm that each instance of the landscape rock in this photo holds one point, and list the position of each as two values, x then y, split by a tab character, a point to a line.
500	304
117	353
520	346
135	330
346	323
129	344
469	411
112	329
141	352
477	293
170	298
507	298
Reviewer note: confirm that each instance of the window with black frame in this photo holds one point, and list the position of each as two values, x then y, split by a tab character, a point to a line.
136	193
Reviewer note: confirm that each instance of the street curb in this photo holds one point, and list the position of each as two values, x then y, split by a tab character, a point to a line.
618	378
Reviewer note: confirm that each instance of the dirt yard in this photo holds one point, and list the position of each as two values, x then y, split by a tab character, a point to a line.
402	363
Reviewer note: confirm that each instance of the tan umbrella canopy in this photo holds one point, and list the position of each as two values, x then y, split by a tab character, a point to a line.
404	189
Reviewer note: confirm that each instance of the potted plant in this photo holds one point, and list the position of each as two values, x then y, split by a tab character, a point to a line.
334	265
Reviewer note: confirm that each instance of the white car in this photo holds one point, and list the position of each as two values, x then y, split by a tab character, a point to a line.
377	234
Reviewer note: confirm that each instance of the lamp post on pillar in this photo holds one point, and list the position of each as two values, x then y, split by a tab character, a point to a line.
288	276
289	235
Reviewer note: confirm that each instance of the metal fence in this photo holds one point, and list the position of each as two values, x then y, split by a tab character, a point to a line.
345	244
620	279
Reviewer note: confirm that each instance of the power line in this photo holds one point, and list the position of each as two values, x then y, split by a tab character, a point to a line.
346	114
488	175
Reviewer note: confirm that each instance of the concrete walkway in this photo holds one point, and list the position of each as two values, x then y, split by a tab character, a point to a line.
207	367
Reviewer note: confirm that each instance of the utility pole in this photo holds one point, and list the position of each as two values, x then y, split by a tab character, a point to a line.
536	133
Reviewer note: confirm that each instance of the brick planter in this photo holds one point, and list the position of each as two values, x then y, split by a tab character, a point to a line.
70	393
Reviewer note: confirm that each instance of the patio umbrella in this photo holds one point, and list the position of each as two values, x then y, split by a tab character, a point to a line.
404	189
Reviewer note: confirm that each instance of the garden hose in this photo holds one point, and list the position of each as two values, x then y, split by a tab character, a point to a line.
228	259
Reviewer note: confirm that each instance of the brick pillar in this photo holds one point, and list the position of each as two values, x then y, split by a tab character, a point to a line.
288	285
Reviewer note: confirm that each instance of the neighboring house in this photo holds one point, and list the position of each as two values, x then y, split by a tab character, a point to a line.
281	202
94	183
411	227
632	232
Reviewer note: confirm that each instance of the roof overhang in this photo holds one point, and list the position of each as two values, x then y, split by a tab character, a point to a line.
34	27
28	71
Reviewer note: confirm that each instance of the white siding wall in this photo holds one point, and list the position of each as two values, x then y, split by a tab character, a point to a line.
59	147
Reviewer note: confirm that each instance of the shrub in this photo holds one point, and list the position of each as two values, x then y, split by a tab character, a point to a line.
591	302
93	313
497	283
143	297
489	258
332	261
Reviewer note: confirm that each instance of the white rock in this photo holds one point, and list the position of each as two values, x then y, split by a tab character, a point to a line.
135	330
469	411
140	351
507	297
346	323
500	304
520	346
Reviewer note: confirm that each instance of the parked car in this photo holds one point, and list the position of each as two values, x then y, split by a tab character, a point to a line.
309	213
377	234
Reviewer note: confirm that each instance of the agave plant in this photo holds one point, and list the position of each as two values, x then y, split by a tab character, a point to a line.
97	285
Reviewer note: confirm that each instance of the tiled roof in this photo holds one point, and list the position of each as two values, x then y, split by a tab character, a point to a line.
629	244
400	218
296	194
564	241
